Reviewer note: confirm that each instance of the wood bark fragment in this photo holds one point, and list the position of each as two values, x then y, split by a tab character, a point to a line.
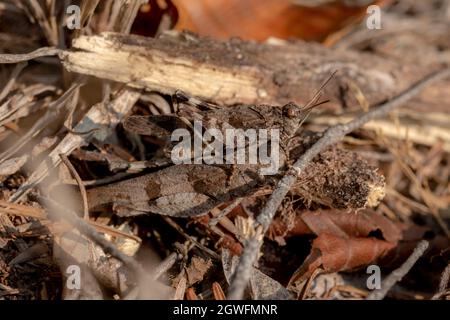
237	71
41	52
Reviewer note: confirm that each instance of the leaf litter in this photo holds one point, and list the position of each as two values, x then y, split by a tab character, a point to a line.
366	200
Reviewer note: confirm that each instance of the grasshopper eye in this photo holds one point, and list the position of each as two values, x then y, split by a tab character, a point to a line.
290	110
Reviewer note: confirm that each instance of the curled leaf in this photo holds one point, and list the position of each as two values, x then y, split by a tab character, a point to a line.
339	223
333	253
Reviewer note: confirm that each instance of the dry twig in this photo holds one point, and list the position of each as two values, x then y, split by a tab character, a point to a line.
165	265
77	178
174	225
399	273
83	227
41	52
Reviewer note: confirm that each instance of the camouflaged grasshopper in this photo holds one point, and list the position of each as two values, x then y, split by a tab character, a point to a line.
187	190
192	190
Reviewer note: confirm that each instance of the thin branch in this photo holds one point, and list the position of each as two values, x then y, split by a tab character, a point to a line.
12	80
399	273
175	225
44	22
77	178
41	52
331	136
225	212
165	265
170	260
127	15
243	270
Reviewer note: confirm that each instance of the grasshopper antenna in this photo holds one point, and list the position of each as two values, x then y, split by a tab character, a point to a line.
312	104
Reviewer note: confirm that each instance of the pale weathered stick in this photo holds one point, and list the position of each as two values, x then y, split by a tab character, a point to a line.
399	273
238	71
41	52
165	265
330	136
423	129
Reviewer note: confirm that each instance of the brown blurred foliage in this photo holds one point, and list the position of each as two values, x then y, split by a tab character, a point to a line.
255	19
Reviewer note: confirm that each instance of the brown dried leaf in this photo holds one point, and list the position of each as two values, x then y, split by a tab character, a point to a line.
45	144
256	19
351	224
342	224
333	253
343	239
